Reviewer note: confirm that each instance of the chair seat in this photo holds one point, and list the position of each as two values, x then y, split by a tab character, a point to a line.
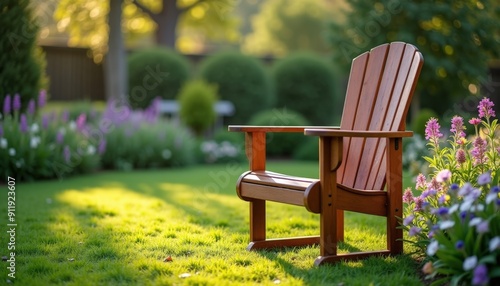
276	187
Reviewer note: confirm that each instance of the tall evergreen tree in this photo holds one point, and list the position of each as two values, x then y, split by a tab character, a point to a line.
21	61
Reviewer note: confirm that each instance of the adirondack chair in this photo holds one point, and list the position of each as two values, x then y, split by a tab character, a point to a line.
360	162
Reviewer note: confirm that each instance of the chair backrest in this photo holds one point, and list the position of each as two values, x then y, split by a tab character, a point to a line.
381	85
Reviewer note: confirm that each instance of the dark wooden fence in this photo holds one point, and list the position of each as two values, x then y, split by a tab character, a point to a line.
74	76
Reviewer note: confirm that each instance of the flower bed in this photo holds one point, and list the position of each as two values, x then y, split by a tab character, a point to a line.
454	221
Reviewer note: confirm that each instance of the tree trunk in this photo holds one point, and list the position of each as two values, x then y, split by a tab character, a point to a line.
166	32
115	67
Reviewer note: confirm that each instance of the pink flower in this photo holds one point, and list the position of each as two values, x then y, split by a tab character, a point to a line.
80	122
479	151
443	176
475	121
457	126
421	183
419	202
408	196
485	108
432	130
460	156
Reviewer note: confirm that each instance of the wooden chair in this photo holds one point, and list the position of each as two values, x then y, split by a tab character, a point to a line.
356	160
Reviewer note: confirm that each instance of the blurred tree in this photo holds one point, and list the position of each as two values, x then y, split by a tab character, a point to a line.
22	63
188	21
284	26
456	37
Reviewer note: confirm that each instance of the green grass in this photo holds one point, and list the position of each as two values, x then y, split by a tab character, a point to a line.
116	228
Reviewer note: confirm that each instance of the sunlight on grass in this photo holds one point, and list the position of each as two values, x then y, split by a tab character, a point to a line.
118	229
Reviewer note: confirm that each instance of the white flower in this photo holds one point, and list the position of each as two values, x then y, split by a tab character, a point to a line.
477	208
432	248
453	209
3	143
72	125
34	128
12	152
62	130
446	224
465	190
34	142
491	197
475	221
494	243
470	263
466	206
91	150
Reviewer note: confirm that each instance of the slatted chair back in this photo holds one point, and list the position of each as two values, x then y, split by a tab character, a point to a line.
377	99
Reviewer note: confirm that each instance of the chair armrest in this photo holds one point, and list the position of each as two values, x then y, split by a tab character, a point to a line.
297	129
357	133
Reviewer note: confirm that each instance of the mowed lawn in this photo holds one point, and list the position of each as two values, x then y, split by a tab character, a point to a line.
177	227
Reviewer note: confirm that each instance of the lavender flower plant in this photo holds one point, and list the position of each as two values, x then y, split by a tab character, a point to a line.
457	225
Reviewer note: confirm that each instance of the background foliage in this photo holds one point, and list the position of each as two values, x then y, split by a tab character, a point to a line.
457	38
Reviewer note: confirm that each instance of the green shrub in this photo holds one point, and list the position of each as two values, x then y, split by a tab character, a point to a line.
309	150
306	83
418	124
22	62
139	139
155	72
196	100
281	144
241	80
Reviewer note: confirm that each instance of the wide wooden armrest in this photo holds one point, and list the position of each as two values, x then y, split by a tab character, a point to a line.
250	128
357	133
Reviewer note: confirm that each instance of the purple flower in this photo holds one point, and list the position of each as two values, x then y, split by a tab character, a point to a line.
484	179
6	104
31	107
475	121
408	196
418	203
42	98
443	176
483	227
59	137
480	275
460	156
432	130
454	187
102	147
67	153
421	183
80	121
457	126
442	211
23	124
479	151
459	245
16	103
45	121
414	231
65	116
485	108
495	189
407	220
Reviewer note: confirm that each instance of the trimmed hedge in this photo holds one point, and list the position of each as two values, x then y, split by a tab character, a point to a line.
306	83
155	72
241	80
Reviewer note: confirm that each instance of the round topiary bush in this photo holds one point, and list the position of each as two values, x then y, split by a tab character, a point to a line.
196	100
155	72
281	144
306	83
241	80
